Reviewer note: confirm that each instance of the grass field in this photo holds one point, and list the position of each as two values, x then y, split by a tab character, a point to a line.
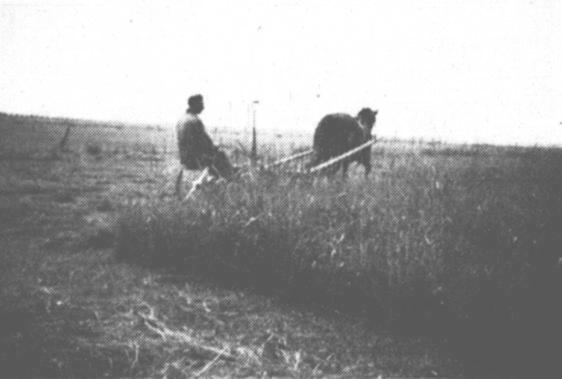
445	262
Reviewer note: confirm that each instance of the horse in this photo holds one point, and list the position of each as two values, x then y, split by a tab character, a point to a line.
338	133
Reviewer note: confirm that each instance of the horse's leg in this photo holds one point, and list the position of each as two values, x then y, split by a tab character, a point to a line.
367	170
344	165
178	183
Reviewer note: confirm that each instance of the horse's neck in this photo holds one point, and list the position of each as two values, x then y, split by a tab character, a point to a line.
364	128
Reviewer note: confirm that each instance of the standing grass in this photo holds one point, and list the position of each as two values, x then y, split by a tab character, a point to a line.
67	309
463	248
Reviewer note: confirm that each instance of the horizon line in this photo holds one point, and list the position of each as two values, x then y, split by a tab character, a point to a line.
145	124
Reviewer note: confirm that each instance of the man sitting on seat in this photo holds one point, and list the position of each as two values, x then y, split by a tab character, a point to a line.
197	150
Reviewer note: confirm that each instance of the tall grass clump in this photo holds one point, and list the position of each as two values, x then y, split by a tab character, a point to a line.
464	248
356	242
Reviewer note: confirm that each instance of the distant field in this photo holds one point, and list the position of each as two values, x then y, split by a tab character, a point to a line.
456	243
36	135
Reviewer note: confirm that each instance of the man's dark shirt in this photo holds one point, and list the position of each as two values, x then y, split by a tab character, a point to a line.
196	148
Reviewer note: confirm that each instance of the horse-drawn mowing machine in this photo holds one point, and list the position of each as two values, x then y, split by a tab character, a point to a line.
297	165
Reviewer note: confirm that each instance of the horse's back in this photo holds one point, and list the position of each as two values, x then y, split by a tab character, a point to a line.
335	134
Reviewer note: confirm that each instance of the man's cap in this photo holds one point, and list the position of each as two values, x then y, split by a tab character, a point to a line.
194	99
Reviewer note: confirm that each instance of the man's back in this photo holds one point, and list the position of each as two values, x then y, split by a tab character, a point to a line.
193	142
196	149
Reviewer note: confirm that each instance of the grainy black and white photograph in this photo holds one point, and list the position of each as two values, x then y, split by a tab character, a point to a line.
289	189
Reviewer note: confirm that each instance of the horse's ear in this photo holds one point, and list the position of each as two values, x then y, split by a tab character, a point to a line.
376	111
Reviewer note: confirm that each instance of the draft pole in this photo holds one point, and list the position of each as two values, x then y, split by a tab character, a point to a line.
254	157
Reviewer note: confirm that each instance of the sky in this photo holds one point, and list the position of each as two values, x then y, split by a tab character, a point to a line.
478	71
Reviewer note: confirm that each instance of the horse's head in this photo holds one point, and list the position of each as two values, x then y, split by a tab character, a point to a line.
367	118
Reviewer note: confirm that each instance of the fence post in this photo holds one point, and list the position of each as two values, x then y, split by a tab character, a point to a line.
254	156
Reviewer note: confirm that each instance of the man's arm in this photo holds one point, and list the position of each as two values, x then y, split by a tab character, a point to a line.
204	142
